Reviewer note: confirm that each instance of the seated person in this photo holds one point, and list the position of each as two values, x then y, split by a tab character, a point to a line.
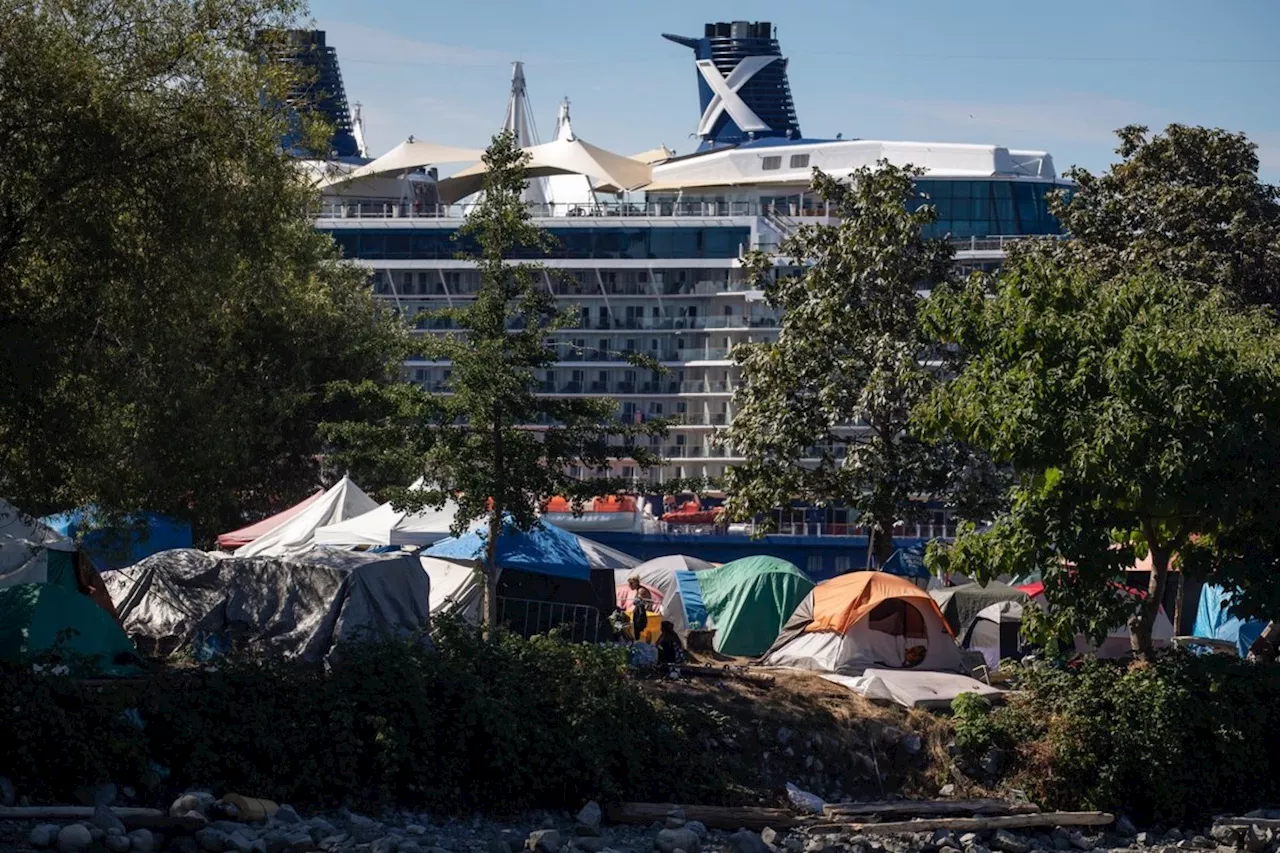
670	649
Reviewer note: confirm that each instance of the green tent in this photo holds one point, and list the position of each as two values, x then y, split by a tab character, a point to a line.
749	600
39	621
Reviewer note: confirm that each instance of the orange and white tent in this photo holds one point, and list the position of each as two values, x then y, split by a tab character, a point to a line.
866	620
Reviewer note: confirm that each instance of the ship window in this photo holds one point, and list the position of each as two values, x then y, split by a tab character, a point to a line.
771	163
799	161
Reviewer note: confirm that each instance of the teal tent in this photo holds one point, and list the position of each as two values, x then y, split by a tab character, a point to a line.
749	600
44	622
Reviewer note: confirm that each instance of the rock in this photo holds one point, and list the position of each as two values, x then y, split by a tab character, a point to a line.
588	843
794	844
1256	840
784	735
1078	841
698	828
947	791
386	844
286	814
192	801
331	843
211	840
769	836
993	762
1227	836
1223	848
1202	843
44	835
106	820
948	850
415	829
184	844
240	842
912	744
674	822
969	839
1145	839
544	841
500	845
746	841
671	840
74	838
117	843
409	847
1174	835
300	842
817	844
1007	842
142	841
321	828
8	794
1125	827
591	815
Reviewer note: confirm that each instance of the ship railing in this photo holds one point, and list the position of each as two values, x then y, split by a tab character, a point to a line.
945	531
373	209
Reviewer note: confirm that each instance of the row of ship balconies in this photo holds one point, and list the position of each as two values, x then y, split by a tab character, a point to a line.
571	388
625	324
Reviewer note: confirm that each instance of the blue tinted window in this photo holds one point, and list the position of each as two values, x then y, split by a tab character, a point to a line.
572	243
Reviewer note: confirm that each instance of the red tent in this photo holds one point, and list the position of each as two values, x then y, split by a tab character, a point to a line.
238	538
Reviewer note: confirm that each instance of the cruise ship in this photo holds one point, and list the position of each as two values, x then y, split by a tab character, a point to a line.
649	254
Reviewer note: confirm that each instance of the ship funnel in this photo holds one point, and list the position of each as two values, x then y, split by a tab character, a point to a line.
742	84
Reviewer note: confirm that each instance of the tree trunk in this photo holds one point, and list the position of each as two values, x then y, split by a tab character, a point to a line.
884	543
492	573
1141	625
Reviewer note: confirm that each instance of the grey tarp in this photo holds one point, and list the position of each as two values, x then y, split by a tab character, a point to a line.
960	605
293	607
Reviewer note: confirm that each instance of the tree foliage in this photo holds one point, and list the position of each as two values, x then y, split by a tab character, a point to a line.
1140	414
839	383
492	442
1187	203
168	315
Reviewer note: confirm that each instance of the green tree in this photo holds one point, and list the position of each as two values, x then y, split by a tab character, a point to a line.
1140	414
1187	203
492	441
168	315
821	414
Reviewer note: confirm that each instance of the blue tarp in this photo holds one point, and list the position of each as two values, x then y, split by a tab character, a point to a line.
114	547
1215	622
544	550
907	563
695	610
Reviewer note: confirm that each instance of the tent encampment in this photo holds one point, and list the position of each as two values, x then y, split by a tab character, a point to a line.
239	538
749	600
58	625
673	586
1117	644
50	623
984	618
119	543
297	535
866	620
1214	620
294	607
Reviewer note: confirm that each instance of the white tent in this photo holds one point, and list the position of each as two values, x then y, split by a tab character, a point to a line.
569	156
386	526
297	535
24	547
408	156
455	588
659	577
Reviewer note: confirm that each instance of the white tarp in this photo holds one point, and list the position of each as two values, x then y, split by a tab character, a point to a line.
297	535
913	688
386	526
455	588
408	156
24	547
600	556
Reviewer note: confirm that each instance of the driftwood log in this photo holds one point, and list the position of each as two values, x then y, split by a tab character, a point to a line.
1246	822
978	824
715	817
929	808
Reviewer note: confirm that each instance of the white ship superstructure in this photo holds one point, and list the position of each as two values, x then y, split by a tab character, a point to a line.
650	246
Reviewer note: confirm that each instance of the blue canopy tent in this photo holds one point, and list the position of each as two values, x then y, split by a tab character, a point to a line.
114	546
1215	622
546	581
907	563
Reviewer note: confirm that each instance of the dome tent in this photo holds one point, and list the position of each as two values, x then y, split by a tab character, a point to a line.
46	622
673	584
984	618
861	620
1215	621
1117	643
748	601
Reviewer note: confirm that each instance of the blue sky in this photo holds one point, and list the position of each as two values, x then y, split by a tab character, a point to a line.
1059	76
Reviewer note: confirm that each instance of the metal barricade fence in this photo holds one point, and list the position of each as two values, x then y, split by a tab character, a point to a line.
527	617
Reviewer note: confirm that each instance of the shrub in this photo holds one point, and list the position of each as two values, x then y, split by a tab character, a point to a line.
503	724
1171	741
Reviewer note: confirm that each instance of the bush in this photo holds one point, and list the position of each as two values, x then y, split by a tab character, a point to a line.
1170	741
470	724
